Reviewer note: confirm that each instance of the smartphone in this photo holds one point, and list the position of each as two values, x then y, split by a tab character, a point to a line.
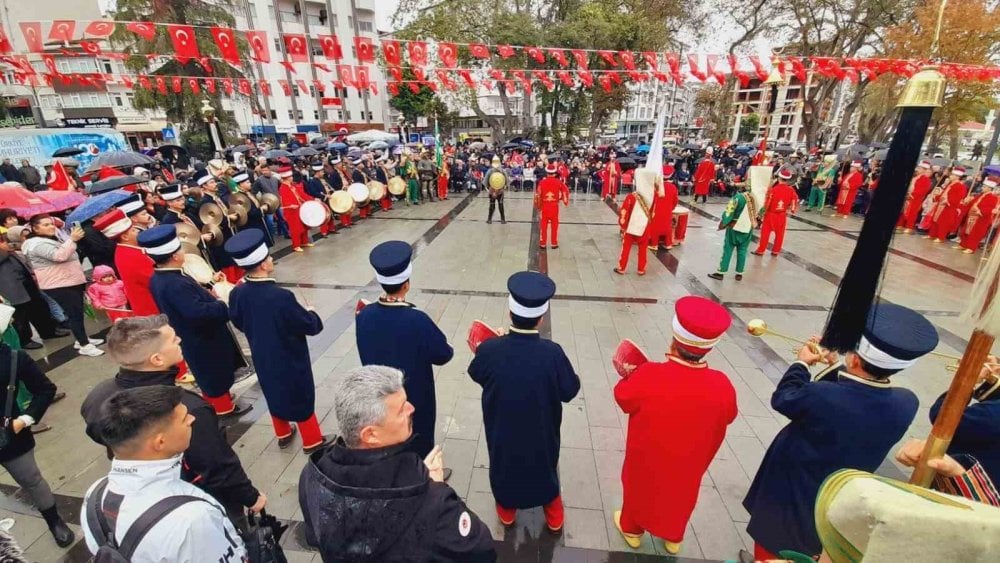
75	225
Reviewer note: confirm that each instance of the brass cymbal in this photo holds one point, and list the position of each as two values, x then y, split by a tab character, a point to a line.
190	249
187	234
269	203
240	211
240	199
216	233
211	213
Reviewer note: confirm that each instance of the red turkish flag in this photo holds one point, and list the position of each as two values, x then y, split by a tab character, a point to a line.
560	56
144	82
226	42
345	75
535	53
127	81
185	45
418	53
303	87
285	87
652	60
566	78
194	85
467	77
50	64
394	89
511	86
506	51
295	47
609	57
210	85
5	45
90	47
446	80
586	77
62	30
479	50
265	87
32	32
605	81
227	86
60	178
581	58
318	84
448	53
258	44
102	29
628	59
161	85
397	73
496	74
176	85
146	30
391	51
674	62
758	67
361	78
245	88
414	87
365	49
331	47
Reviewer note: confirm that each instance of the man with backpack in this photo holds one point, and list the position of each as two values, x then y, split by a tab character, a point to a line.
143	511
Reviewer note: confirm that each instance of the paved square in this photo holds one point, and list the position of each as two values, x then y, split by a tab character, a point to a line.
460	273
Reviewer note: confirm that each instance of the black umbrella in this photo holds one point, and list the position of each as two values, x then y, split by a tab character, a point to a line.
509	146
784	149
276	153
113	183
691	146
119	159
305	151
627	162
241	148
68	151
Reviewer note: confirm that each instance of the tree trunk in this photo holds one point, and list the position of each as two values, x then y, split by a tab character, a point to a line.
859	95
953	142
493	122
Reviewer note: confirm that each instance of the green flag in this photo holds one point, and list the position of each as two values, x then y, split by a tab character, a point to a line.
438	154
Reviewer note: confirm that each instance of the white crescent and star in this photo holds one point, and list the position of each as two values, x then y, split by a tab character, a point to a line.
182	36
295	45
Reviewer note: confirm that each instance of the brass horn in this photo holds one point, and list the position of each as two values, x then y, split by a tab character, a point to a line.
758	328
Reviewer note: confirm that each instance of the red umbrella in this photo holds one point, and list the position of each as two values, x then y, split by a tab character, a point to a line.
62	200
25	203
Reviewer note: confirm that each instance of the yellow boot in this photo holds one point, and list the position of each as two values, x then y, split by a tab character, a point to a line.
671	547
633	540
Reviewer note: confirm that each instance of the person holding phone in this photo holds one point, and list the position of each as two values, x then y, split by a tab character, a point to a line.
60	275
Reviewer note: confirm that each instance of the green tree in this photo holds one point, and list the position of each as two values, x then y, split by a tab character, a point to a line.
749	127
714	104
183	108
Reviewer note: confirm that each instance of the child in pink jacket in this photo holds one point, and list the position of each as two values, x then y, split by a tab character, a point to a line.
107	291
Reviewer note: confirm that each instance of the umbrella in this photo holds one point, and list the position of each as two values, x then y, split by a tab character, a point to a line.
68	151
118	159
371	135
25	203
642	148
477	146
276	153
337	146
879	146
378	145
526	143
96	205
942	162
691	146
627	162
241	148
992	170
305	151
62	199
509	146
621	154
113	183
880	154
784	149
744	149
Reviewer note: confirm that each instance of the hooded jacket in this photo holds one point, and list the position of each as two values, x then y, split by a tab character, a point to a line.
381	505
106	295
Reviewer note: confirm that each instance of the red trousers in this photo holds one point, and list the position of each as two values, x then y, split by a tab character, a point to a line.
298	231
364	210
908	218
386	203
554	514
627	242
773	223
848	202
946	223
661	229
550	222
233	273
223	404
345	220
609	188
442	188
975	236
328	227
311	433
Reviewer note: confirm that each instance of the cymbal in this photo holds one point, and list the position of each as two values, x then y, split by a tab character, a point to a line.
240	211
216	233
190	249
240	199
211	213
269	203
187	234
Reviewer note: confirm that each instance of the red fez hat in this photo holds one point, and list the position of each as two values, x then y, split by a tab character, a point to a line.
699	323
113	223
285	171
551	168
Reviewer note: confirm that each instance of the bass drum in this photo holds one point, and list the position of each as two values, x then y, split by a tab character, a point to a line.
359	193
397	185
313	214
341	202
376	190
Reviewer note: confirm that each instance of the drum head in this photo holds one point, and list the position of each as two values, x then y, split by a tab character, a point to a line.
341	202
397	185
313	214
359	193
376	190
627	358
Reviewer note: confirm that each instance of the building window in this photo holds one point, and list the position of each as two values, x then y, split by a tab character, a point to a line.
295	90
63	66
75	101
299	114
289	16
347	114
312	92
83	65
131	99
316	48
291	115
118	100
350	24
95	101
277	44
332	115
365	26
107	67
316	115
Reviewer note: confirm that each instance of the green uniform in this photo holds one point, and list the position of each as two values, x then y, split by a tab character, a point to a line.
737	219
817	195
408	172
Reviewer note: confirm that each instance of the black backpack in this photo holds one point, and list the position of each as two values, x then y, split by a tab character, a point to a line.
109	550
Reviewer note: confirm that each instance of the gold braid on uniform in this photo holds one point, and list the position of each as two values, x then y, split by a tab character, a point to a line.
752	208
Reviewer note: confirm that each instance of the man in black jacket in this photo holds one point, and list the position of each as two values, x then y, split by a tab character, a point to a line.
369	498
148	349
20	290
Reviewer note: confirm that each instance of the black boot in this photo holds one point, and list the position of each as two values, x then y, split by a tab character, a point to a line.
60	531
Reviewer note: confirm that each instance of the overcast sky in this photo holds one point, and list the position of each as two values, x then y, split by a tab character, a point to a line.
384	10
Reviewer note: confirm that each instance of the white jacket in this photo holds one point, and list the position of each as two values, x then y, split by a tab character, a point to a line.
194	532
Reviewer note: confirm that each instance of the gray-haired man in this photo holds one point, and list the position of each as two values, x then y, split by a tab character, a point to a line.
369	494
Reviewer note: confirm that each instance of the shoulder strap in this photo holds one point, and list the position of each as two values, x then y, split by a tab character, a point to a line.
95	517
138	530
8	407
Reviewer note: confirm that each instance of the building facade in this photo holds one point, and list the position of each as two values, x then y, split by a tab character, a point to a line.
636	122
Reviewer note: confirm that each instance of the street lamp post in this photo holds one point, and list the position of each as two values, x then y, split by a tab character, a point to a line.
212	126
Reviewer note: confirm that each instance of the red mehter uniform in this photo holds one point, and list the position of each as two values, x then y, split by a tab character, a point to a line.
611	176
915	201
664	459
443	178
550	193
136	269
662	224
948	211
780	200
292	197
849	190
704	175
981	216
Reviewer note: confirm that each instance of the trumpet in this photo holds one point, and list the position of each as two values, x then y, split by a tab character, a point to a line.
991	378
758	328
